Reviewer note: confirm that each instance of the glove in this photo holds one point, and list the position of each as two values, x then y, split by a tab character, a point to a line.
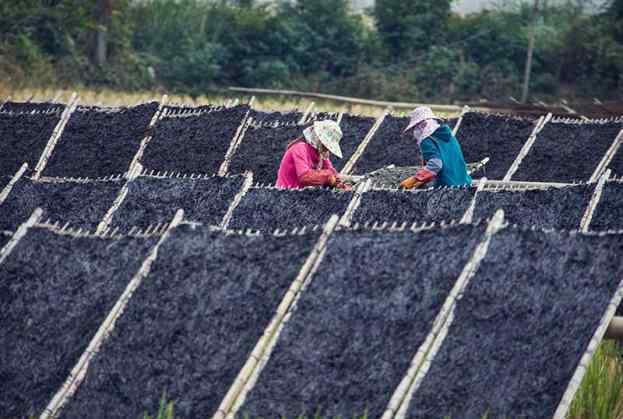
410	183
422	177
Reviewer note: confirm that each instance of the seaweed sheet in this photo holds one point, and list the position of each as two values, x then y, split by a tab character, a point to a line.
83	205
434	205
359	323
27	107
609	212
261	151
98	143
567	152
498	137
269	209
193	144
152	201
557	208
23	139
55	290
191	326
520	329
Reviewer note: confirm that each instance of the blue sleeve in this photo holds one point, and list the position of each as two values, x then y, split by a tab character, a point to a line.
431	155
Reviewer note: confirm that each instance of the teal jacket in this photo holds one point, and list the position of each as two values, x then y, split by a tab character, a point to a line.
443	155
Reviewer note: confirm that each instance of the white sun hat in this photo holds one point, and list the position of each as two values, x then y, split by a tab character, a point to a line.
422	113
327	133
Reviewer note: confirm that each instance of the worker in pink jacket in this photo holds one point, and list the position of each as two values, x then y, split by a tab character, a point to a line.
306	160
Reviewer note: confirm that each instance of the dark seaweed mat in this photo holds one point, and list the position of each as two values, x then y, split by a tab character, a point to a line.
498	137
23	139
96	143
414	207
268	118
567	152
360	322
23	107
81	204
557	208
194	144
192	325
175	109
5	236
261	151
154	200
55	291
355	129
389	146
521	326
269	209
609	212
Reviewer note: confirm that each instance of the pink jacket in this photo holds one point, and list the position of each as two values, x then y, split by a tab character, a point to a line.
301	167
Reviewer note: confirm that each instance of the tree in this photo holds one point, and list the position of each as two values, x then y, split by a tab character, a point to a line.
103	14
406	26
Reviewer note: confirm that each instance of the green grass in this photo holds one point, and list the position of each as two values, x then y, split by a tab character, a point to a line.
599	396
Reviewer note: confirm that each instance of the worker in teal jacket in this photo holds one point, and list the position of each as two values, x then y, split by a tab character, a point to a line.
441	152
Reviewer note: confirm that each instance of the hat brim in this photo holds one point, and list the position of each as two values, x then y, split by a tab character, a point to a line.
333	148
414	123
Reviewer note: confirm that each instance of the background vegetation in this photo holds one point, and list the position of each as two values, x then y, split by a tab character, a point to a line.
401	50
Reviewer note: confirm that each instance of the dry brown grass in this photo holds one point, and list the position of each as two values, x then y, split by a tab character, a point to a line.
106	97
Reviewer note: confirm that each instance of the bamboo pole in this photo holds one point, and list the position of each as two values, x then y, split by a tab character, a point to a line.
469	214
148	135
607	158
351	100
455	130
56	135
9	187
348	167
233	145
425	354
34	218
246	185
354	203
525	149
79	371
592	205
249	373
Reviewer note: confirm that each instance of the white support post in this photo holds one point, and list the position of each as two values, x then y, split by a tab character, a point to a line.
246	185
56	135
148	136
515	184
249	374
79	370
21	231
455	130
425	354
346	219
340	117
364	143
540	123
607	158
121	195
235	141
251	101
468	217
309	109
9	187
592	205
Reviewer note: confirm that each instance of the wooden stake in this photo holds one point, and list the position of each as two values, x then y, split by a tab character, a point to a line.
607	158
34	218
540	123
9	187
246	185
